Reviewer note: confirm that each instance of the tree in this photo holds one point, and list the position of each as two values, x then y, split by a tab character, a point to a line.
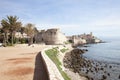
11	25
23	39
5	30
30	31
1	35
22	31
14	26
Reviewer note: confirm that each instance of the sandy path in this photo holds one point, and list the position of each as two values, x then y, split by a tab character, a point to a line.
18	63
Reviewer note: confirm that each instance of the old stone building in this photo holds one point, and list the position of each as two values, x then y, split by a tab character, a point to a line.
50	37
83	39
78	40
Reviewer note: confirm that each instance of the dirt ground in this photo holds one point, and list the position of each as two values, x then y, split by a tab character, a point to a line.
18	63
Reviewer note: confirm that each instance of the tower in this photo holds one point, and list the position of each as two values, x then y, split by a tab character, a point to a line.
91	34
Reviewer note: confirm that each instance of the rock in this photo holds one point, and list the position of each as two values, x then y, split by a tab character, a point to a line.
75	62
108	74
119	77
104	77
102	68
110	66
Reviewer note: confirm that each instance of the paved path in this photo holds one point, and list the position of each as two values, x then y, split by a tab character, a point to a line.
21	63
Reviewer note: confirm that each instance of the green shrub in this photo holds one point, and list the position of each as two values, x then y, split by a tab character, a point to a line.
23	40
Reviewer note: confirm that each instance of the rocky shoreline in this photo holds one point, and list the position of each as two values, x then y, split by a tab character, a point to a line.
91	69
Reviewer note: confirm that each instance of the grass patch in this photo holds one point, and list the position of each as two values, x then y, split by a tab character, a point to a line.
52	54
63	50
68	42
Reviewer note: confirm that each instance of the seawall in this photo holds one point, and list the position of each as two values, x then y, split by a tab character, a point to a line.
53	72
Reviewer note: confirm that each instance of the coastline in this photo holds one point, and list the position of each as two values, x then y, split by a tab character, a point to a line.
24	56
70	73
61	56
92	69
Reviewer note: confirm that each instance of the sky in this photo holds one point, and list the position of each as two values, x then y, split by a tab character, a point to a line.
102	17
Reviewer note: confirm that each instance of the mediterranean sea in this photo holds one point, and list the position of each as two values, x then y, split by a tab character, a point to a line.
104	59
108	52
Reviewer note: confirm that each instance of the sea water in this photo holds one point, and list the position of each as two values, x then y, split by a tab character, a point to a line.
106	56
108	52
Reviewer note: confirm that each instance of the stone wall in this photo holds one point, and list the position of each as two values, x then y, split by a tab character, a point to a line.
53	71
78	41
50	37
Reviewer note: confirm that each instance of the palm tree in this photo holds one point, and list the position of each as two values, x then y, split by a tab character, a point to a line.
30	31
14	26
22	31
23	39
1	34
11	24
5	30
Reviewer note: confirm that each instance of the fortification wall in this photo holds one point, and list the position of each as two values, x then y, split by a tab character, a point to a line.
51	37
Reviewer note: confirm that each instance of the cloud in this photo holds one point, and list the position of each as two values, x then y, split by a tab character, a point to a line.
111	20
72	16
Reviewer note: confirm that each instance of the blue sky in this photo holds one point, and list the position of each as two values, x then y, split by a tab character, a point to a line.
102	17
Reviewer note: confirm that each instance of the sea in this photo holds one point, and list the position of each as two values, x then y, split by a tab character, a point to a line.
105	59
107	52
